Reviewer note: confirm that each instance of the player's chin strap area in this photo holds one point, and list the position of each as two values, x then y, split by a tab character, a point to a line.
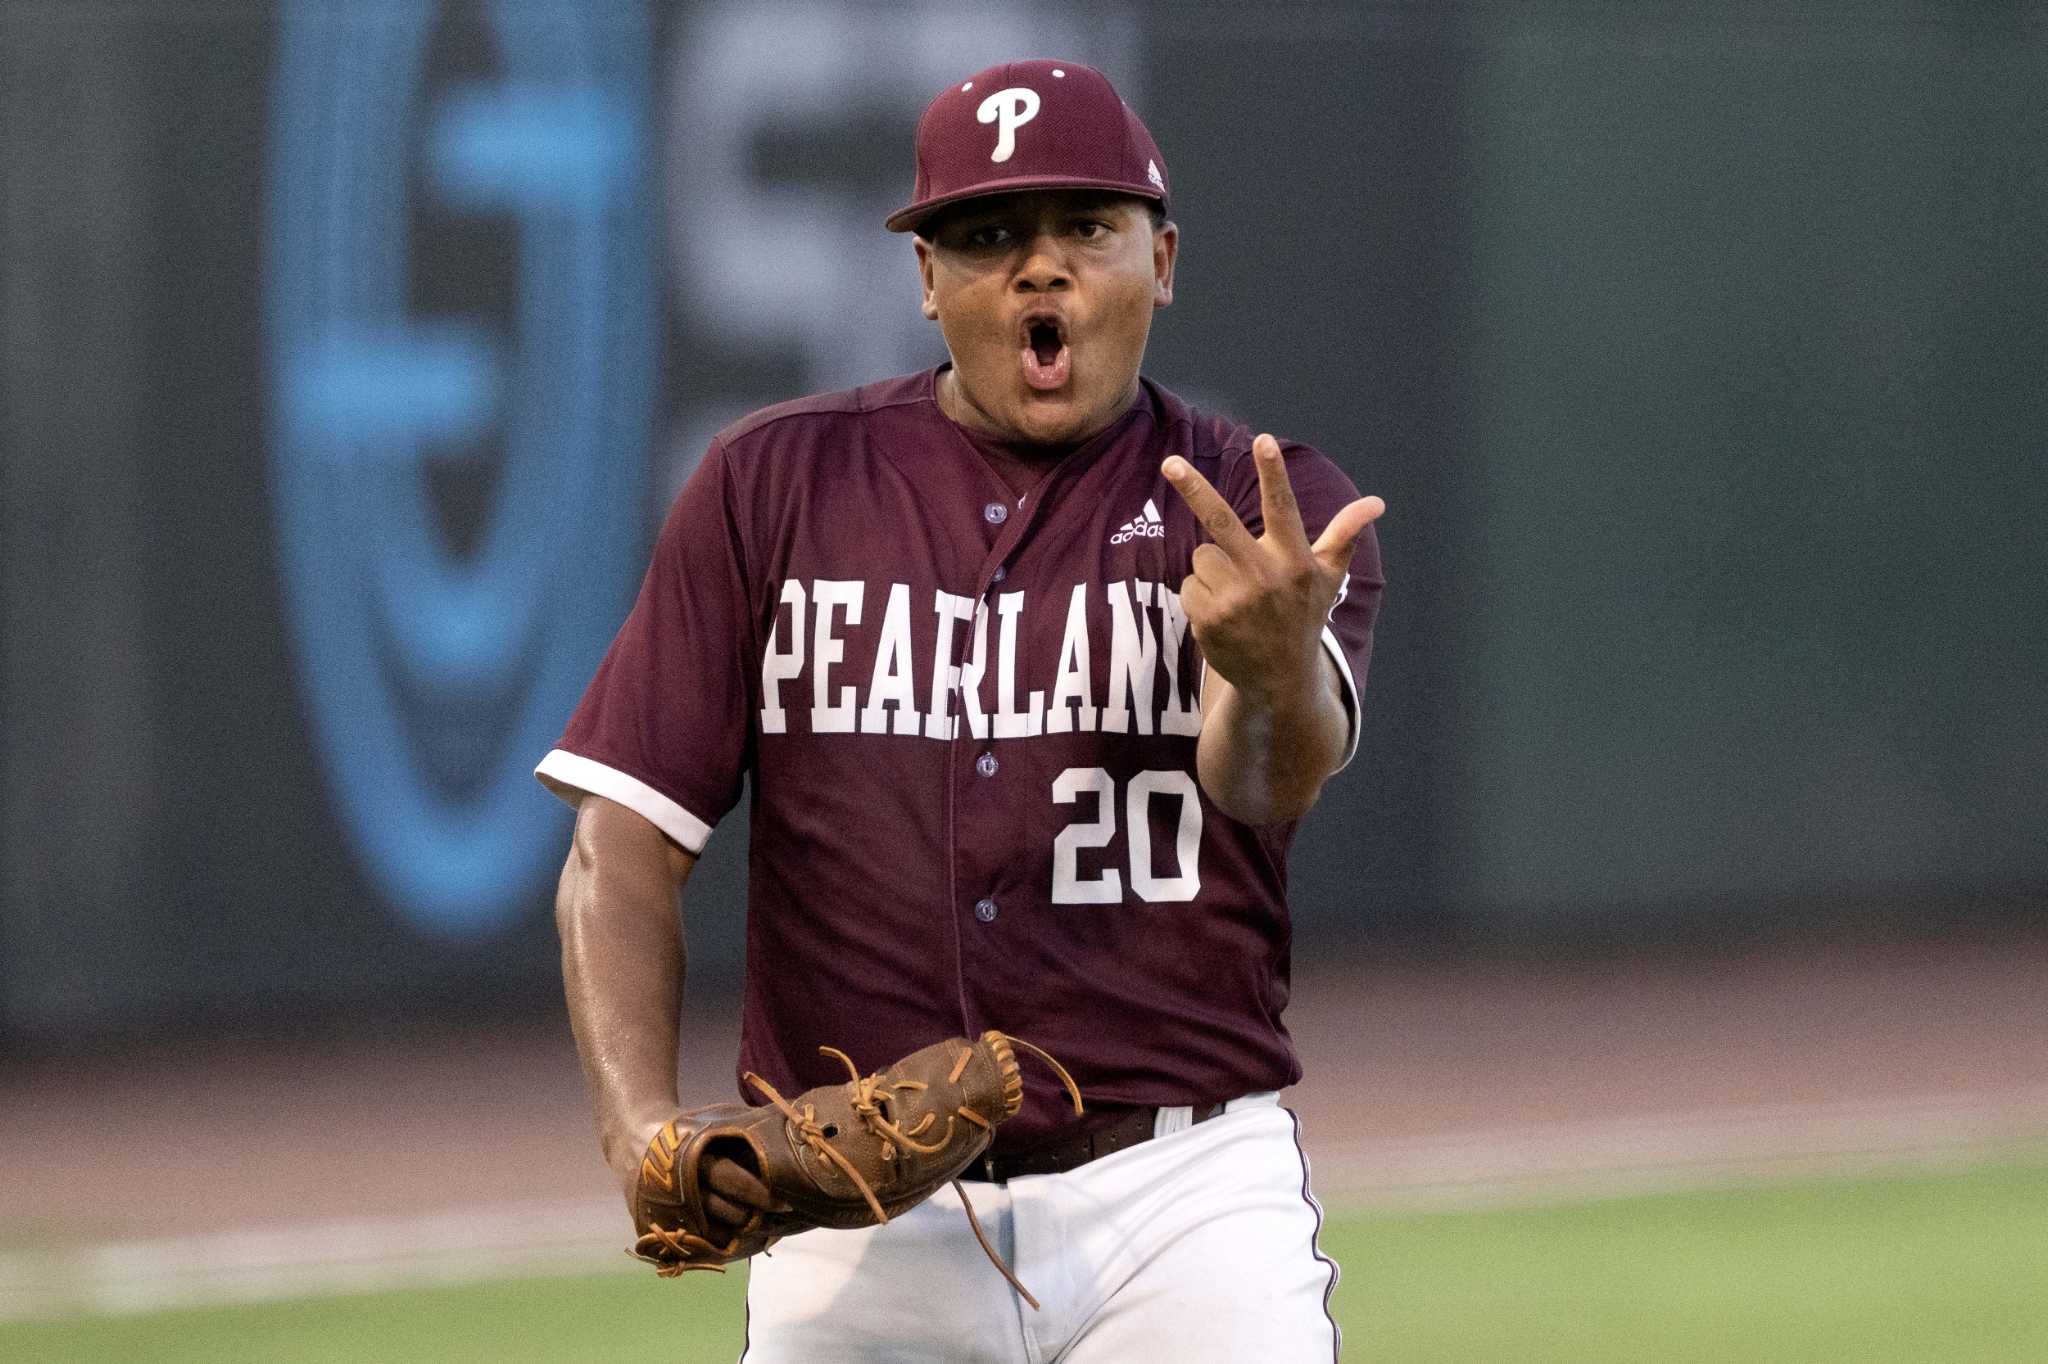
868	1103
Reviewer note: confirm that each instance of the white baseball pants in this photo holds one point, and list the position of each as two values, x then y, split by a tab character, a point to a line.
1197	1247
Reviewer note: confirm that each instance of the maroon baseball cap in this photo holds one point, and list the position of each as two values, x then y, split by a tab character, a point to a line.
1029	125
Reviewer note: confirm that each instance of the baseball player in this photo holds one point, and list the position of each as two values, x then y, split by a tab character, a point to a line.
1029	669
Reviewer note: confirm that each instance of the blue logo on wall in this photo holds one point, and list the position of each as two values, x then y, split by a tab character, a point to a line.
436	677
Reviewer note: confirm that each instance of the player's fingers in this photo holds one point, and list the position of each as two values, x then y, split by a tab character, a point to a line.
1276	495
1212	567
727	1211
1210	509
740	1186
1333	547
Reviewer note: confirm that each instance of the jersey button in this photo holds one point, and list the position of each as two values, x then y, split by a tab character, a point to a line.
1000	574
985	910
996	513
986	764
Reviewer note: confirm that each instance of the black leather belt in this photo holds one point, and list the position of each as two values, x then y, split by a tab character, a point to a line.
1128	1131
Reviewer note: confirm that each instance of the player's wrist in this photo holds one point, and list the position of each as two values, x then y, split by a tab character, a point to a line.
624	1141
1282	681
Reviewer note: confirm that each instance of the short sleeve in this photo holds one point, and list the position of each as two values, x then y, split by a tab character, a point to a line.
1321	490
663	726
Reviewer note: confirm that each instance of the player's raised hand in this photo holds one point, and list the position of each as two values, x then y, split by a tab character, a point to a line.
1257	604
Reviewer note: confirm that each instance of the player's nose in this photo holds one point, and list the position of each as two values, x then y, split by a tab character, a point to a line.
1043	266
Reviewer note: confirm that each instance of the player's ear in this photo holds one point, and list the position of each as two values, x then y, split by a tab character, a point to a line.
1165	250
924	274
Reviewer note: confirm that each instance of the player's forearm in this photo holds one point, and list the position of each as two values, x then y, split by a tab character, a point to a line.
1263	759
623	965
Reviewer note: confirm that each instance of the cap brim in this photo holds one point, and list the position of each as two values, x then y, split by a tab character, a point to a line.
908	219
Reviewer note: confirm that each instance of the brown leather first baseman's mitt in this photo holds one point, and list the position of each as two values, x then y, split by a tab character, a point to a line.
847	1155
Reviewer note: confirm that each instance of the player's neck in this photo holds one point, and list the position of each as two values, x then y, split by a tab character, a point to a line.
985	432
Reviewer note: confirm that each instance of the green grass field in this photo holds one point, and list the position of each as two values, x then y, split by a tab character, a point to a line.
1932	1269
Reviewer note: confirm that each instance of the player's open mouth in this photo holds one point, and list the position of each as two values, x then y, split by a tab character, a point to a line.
1047	360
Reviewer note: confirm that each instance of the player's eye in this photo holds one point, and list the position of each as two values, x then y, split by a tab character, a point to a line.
987	235
1088	228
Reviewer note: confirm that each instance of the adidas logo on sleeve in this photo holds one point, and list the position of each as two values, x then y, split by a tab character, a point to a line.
1146	525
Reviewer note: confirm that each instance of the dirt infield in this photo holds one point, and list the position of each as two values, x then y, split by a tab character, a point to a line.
1420	1078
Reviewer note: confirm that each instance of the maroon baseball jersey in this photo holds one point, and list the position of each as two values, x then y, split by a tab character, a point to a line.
968	718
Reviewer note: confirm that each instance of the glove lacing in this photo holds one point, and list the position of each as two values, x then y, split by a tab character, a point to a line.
867	1103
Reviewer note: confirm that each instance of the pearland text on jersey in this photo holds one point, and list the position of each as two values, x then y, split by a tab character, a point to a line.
1149	676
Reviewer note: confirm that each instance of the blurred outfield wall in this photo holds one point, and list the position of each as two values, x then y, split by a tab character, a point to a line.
352	351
